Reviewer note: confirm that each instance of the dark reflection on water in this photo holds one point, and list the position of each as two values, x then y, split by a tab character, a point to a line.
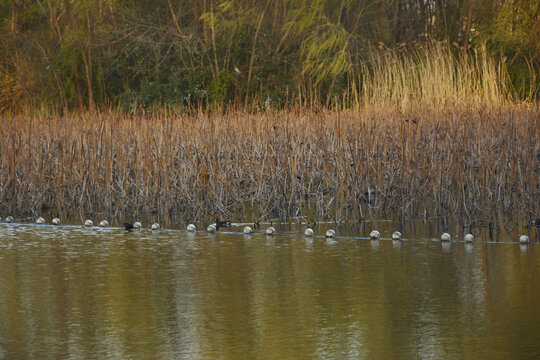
107	294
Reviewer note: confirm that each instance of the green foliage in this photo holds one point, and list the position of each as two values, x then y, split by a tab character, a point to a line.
514	33
186	52
231	25
221	86
170	93
325	53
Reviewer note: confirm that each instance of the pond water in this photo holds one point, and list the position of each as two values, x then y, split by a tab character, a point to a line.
76	293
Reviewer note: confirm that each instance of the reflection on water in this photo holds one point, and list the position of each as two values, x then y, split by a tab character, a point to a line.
108	294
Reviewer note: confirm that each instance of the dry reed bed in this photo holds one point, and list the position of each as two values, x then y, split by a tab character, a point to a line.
323	165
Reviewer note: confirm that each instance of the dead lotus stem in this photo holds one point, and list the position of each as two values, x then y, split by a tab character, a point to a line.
346	165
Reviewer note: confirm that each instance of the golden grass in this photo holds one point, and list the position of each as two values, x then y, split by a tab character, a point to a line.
337	165
432	75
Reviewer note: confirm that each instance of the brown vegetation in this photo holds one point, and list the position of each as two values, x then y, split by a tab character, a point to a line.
426	133
337	165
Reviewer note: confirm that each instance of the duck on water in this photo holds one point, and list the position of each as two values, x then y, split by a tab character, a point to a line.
135	226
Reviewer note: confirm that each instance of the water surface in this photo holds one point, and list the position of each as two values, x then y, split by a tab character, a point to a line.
76	293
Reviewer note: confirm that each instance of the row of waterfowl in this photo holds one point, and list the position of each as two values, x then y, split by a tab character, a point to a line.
212	228
469	238
87	223
374	235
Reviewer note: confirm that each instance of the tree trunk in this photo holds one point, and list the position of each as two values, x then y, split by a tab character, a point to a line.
442	20
213	29
467	33
254	44
14	25
396	11
88	64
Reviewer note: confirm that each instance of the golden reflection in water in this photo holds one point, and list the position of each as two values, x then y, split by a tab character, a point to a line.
110	294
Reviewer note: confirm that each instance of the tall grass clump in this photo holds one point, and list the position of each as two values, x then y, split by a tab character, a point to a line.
431	75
